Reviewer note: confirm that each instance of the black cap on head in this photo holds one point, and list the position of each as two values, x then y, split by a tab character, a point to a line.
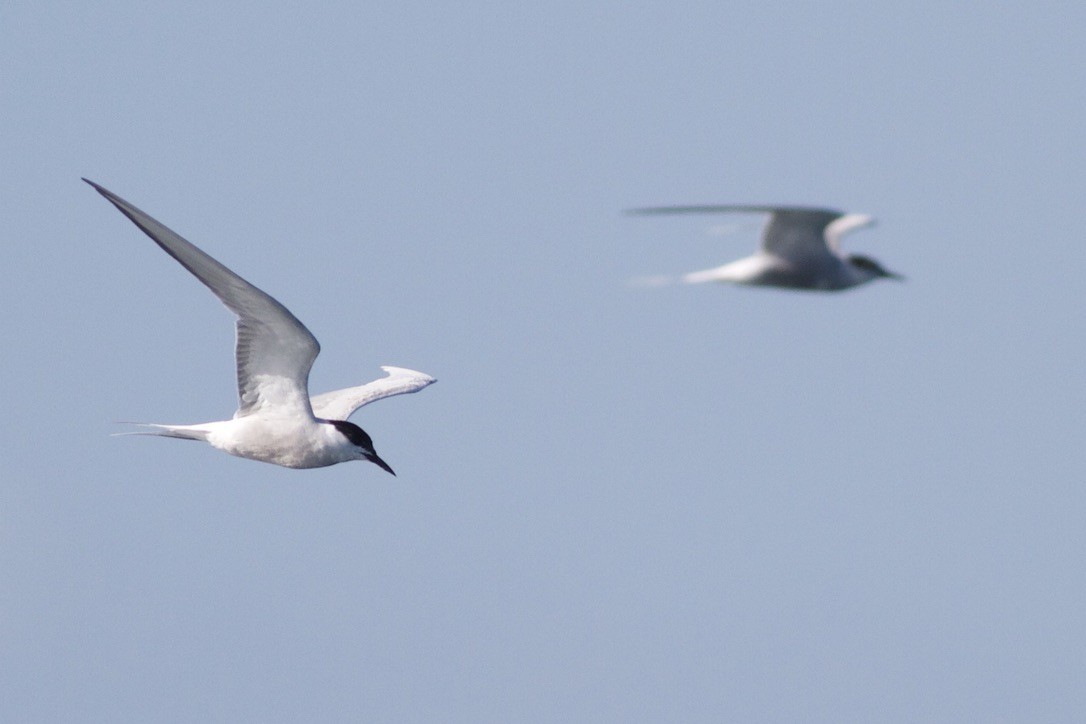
361	440
870	265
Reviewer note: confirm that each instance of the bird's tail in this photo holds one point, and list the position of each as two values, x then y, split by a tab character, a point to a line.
701	277
736	271
183	432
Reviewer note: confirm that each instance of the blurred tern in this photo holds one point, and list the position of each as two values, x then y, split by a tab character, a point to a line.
277	421
800	249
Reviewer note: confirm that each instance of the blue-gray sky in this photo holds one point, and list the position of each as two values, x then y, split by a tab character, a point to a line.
618	504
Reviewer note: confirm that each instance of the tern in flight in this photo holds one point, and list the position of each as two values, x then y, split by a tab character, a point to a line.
800	249
277	421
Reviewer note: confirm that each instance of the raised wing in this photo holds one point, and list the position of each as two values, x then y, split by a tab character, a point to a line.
341	404
843	225
273	350
793	232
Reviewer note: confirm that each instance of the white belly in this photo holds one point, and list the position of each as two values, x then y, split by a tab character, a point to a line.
290	442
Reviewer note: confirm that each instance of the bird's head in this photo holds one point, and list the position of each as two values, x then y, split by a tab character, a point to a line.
869	269
361	441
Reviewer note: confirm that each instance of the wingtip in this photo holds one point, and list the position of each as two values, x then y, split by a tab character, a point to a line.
96	187
393	370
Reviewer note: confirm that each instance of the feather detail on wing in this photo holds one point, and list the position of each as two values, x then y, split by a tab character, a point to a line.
273	350
341	404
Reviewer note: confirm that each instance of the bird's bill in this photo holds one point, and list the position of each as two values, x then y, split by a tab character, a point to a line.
895	277
381	463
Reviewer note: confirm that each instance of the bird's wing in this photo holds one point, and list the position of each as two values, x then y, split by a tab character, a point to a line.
274	351
793	232
341	404
843	225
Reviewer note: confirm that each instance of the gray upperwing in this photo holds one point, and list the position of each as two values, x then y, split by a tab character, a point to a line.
792	231
270	340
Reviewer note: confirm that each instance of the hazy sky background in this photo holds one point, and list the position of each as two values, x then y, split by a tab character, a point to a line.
618	504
